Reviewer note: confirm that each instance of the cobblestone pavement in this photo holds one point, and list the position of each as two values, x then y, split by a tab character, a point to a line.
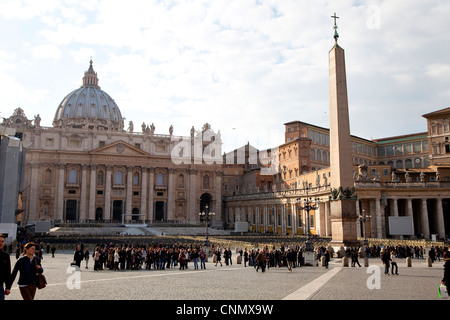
237	282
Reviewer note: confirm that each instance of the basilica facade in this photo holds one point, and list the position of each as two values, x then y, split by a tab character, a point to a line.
89	168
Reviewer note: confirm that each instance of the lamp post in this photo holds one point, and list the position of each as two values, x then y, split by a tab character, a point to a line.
205	216
364	218
308	205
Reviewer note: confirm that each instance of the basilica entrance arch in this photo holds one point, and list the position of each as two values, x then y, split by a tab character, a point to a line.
205	201
117	210
71	210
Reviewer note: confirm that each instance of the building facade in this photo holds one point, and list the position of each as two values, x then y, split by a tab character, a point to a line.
397	176
88	168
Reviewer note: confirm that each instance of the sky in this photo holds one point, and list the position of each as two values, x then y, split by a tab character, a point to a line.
246	67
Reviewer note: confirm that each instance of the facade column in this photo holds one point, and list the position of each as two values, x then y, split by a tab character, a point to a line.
107	213
378	218
83	193
218	188
60	198
192	212
32	215
440	218
327	219
394	207
358	221
170	196
92	192
409	212
151	190
129	195
144	175
424	219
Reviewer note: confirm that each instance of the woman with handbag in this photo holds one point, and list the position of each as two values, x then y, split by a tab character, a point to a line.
29	267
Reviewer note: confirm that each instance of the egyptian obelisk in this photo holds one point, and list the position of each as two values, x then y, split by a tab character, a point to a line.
342	209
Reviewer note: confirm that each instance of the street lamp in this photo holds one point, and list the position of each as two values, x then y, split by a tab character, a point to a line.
308	205
364	218
205	216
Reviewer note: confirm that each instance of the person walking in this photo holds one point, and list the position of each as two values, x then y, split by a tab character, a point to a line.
217	253
5	269
86	257
195	258
78	256
385	258
202	255
327	258
394	263
27	265
261	261
290	257
446	279
116	259
355	258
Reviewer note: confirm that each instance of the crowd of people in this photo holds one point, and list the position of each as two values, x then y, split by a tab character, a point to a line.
140	257
185	256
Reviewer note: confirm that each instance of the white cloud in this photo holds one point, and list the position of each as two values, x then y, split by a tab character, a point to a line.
49	51
251	65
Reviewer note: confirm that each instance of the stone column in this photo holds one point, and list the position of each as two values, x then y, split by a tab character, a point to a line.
440	218
394	207
409	212
34	200
378	218
170	196
151	190
358	222
61	188
129	193
424	219
107	213
92	192
83	193
144	175
218	190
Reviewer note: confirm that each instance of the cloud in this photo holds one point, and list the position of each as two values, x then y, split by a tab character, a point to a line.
244	64
47	51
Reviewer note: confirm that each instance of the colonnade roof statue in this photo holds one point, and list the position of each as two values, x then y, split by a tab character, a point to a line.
89	106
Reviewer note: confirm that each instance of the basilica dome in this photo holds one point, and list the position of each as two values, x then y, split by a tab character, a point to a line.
89	107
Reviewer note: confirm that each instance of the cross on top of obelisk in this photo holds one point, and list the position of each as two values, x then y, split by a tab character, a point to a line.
336	35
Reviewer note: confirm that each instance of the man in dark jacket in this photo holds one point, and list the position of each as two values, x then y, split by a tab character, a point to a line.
5	269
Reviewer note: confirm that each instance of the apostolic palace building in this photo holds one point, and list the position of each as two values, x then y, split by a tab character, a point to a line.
91	167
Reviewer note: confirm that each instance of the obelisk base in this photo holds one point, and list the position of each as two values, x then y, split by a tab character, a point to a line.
343	223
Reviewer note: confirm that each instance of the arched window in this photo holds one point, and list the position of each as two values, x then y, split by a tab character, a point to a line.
313	154
73	176
159	179
399	164
408	163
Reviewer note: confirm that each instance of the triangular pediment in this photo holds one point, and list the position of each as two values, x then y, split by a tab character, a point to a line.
119	148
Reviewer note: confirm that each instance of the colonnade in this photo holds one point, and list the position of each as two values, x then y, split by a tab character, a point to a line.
430	215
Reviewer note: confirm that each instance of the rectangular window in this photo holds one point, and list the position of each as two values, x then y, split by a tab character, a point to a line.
417	146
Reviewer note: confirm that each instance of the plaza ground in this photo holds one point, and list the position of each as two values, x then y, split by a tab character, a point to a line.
236	282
